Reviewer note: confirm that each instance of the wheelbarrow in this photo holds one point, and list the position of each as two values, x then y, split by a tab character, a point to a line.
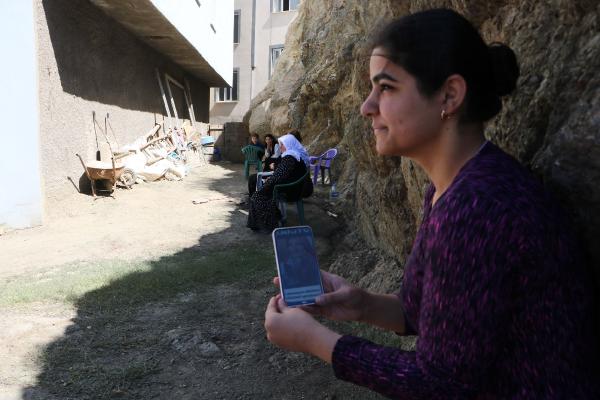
98	170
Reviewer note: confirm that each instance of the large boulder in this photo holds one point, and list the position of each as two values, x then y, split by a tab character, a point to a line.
551	123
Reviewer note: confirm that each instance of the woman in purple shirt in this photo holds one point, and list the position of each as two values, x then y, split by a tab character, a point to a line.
495	287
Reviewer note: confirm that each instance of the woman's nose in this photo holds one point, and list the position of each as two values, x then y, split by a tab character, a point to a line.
369	107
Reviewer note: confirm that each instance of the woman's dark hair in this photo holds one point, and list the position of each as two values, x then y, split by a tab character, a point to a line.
432	45
273	140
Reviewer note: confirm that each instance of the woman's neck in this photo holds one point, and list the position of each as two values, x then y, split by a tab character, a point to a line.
444	158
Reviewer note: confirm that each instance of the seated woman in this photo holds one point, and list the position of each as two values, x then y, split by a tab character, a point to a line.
263	213
271	158
272	153
255	141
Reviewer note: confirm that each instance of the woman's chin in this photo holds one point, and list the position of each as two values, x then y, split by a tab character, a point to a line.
382	146
382	149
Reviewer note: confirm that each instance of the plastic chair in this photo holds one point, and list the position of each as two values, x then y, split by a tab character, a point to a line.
322	163
207	142
201	146
252	156
259	178
280	196
314	163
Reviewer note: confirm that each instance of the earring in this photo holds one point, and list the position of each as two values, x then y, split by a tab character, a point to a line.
444	116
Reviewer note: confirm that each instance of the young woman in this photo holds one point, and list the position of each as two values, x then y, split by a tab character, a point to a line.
270	159
272	153
495	287
263	213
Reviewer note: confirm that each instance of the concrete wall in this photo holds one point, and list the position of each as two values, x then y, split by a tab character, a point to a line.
194	22
88	62
20	187
270	30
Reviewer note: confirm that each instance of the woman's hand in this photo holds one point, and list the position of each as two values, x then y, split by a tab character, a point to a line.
345	302
296	330
287	327
341	301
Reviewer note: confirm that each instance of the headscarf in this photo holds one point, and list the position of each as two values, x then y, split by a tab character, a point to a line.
294	148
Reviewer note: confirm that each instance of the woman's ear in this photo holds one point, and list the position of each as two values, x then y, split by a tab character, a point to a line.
454	93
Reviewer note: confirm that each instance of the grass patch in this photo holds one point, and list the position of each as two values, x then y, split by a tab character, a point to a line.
115	283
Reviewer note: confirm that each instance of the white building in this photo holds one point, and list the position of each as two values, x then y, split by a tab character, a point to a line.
67	61
260	27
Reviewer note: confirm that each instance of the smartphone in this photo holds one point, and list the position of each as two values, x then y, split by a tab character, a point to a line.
297	265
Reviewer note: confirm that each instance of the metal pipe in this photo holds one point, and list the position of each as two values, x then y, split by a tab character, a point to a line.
252	66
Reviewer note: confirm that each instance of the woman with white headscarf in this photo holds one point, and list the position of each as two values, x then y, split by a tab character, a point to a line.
291	146
263	213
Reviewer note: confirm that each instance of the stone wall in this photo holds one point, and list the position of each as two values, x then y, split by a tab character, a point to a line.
235	136
551	123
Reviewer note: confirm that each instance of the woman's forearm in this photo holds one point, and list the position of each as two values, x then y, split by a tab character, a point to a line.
382	310
322	343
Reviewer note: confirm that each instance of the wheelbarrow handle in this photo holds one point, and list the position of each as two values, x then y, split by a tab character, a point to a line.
84	167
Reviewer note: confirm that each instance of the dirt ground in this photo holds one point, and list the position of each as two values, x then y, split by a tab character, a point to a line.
207	343
149	220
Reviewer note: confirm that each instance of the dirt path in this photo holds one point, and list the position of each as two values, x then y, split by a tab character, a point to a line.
205	342
148	221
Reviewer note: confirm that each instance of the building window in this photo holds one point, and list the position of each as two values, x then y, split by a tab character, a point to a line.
275	54
229	93
236	26
284	5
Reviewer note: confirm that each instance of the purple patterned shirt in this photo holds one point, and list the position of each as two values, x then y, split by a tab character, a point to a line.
496	291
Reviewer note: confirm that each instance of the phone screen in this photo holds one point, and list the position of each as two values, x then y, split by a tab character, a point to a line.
297	265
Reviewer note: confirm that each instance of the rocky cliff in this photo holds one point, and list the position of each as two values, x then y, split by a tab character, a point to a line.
551	123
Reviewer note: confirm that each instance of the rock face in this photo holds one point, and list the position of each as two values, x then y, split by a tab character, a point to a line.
551	123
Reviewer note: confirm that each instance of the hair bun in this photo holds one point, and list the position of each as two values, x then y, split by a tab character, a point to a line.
505	68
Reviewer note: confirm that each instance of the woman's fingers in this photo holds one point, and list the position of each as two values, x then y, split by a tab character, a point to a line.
272	305
331	298
331	282
276	281
326	280
281	304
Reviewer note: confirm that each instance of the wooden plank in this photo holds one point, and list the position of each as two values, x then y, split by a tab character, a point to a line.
164	97
172	101
191	103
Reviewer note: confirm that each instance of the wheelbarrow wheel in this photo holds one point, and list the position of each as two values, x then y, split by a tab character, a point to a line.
127	178
85	185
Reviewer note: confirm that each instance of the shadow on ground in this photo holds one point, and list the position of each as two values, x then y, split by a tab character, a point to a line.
189	326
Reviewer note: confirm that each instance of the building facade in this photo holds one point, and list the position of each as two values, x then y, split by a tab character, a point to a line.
83	73
259	27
